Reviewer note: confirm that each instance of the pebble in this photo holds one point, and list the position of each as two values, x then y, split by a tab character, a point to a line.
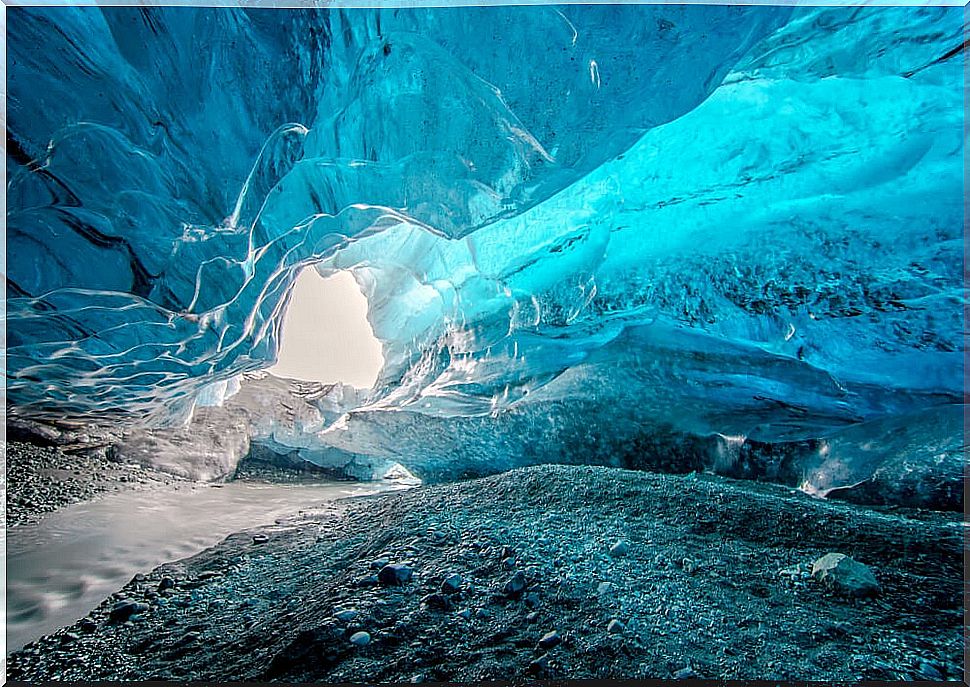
508	563
549	640
260	538
464	613
685	674
360	638
532	617
451	584
369	581
482	613
615	627
437	601
394	574
379	563
88	626
165	583
531	599
124	609
515	584
346	615
603	588
618	549
540	664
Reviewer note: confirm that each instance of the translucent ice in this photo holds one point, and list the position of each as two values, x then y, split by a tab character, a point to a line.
732	221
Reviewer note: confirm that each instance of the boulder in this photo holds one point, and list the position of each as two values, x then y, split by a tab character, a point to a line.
839	573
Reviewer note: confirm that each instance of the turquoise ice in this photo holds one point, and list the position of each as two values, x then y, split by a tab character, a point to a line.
734	220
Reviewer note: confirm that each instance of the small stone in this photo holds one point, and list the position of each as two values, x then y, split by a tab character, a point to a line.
369	581
482	613
360	638
508	563
88	626
451	584
437	601
124	609
685	674
464	613
394	574
345	615
539	665
260	538
515	584
619	549
615	627
531	599
603	588
69	637
549	640
837	572
532	617
379	563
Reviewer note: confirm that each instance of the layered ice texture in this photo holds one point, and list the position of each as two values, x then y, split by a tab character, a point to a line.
579	228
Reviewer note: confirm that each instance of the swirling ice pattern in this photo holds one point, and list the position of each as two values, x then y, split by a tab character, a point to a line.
741	220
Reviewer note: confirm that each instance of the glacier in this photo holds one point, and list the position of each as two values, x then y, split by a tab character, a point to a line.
631	235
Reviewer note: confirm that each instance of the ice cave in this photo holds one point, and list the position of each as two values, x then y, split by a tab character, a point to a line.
452	243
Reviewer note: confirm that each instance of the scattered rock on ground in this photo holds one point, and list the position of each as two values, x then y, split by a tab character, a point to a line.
549	640
619	549
837	572
360	638
515	584
271	615
394	574
615	627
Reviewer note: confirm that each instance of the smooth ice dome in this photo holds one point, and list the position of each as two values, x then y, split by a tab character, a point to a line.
585	233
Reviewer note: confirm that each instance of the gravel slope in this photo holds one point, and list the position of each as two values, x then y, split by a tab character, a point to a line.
41	479
704	589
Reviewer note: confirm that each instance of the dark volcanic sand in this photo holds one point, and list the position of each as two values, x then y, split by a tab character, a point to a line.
699	587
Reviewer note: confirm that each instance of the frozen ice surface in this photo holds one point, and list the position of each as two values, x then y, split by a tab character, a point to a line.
742	221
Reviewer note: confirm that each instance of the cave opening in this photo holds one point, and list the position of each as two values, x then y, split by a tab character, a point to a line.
325	335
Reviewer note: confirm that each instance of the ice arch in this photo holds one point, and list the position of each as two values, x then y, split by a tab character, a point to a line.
568	221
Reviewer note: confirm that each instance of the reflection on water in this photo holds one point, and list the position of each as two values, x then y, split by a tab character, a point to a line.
65	565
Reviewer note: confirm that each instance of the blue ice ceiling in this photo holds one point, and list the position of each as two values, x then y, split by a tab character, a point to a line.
744	220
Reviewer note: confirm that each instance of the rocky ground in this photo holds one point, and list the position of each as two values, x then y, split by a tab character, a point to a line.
41	479
547	572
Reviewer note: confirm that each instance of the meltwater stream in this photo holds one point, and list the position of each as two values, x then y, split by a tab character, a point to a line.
65	565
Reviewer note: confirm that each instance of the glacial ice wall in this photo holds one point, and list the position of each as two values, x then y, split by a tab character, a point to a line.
171	169
734	220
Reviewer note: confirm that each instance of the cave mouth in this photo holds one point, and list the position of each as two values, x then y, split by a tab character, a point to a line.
325	335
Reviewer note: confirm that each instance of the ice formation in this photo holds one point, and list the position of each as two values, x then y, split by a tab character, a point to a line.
589	224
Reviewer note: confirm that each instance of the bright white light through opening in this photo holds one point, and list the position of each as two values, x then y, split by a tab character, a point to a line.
326	336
